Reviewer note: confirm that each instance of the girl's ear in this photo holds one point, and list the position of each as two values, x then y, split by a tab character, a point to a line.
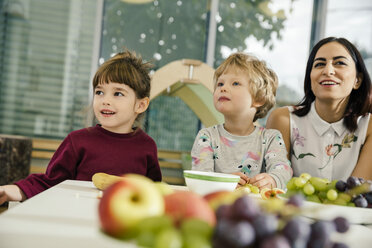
142	105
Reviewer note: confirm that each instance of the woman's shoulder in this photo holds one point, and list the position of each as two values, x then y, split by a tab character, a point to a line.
278	117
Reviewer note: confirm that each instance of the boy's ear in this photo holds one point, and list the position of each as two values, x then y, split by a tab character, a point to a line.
257	104
142	105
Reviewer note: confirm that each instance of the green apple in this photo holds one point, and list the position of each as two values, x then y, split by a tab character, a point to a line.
164	188
126	202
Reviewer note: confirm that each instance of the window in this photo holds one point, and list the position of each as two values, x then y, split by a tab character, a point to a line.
353	22
45	67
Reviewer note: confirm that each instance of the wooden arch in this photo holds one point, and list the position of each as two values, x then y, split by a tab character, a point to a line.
192	81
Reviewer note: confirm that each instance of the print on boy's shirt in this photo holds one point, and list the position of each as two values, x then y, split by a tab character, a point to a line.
227	142
250	163
206	149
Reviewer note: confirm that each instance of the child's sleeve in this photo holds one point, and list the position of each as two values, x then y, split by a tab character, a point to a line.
202	152
277	164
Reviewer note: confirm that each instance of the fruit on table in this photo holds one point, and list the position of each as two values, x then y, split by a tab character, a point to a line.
182	205
267	193
103	180
164	188
354	192
256	228
218	198
126	202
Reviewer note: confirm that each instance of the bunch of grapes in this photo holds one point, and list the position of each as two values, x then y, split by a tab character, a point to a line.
245	224
359	190
161	232
353	192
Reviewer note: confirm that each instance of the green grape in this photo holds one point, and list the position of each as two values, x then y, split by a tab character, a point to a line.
305	176
332	194
313	198
168	238
300	182
322	195
344	196
308	189
291	185
319	184
340	201
255	189
190	241
332	185
290	192
196	227
351	204
145	239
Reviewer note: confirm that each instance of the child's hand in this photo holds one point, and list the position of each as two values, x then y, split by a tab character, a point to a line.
3	196
243	179
263	180
11	193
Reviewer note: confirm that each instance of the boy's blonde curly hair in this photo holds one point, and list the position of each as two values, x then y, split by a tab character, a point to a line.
263	80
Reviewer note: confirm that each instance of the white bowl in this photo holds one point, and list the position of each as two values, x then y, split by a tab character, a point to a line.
203	182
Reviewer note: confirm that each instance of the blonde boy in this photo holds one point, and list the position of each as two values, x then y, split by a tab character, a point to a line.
244	92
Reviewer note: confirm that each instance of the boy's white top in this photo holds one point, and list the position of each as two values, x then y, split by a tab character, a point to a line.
323	149
263	150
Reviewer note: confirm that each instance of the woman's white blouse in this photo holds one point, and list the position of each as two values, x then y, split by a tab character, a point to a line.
323	149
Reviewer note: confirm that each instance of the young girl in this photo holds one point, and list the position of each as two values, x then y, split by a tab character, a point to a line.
116	146
329	133
244	91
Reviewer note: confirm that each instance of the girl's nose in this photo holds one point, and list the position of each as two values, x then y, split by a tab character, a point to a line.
329	69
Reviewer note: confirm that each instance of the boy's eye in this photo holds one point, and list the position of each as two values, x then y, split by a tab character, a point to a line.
235	83
219	84
99	92
118	94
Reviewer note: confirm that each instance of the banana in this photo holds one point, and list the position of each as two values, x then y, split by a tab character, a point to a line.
103	180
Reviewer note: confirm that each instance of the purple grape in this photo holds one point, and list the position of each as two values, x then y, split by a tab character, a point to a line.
352	182
368	197
245	208
360	201
276	241
341	186
233	233
297	231
265	225
320	234
342	225
296	200
339	245
223	212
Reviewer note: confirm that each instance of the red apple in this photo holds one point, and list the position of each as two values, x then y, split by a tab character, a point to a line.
218	198
182	205
126	202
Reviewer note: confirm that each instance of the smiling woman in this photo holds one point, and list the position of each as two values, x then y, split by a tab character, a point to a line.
329	133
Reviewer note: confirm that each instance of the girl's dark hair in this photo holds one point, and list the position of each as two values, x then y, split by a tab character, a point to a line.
360	101
129	69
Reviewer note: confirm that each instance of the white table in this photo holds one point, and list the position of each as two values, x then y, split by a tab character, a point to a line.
66	216
62	216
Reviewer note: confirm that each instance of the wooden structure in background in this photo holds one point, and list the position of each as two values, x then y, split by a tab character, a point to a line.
192	81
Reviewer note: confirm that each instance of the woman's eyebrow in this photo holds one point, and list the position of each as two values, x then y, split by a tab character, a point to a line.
334	58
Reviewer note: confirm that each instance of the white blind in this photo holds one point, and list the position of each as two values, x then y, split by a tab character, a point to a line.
45	65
